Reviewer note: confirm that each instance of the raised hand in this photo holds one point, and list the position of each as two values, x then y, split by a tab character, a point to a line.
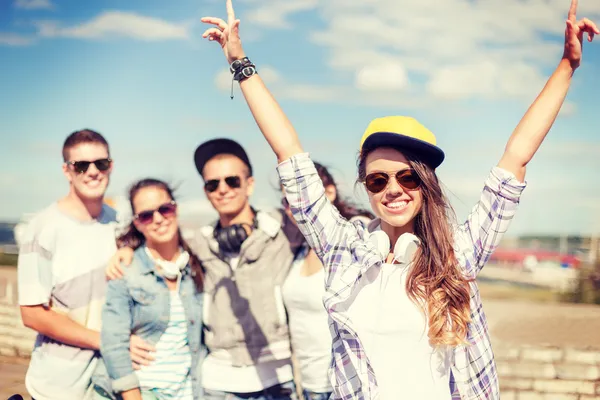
574	35
227	34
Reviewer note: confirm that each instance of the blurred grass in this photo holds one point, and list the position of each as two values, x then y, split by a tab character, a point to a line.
8	259
514	292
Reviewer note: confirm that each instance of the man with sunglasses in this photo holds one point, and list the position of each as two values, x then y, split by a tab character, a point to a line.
61	273
247	257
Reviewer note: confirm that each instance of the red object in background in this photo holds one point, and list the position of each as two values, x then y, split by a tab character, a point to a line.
517	256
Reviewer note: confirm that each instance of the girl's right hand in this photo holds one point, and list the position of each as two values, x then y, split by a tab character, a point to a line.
123	256
227	34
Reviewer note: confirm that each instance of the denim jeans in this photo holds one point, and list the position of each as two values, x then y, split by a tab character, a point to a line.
308	395
283	391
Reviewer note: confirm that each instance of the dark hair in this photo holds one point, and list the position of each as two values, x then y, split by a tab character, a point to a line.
346	209
82	136
436	282
133	238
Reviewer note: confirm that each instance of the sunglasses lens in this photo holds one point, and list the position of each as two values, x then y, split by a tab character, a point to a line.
145	217
211	185
376	182
102	165
233	182
408	179
81	166
167	210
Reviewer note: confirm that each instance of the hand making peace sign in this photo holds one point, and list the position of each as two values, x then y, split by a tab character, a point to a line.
574	35
227	34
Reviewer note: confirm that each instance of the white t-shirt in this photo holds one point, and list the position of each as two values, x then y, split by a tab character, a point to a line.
309	327
61	265
220	374
393	331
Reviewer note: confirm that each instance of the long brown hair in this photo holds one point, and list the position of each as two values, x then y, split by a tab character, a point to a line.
133	238
436	283
344	206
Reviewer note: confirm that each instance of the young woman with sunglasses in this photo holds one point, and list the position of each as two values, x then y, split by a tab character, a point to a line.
403	302
159	299
303	291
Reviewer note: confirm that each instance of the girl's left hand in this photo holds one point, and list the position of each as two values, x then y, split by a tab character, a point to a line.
574	35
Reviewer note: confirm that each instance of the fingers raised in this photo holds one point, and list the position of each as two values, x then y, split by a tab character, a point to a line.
230	12
585	25
212	34
215	21
573	11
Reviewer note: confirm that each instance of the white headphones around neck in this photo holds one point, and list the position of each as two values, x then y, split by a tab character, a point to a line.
171	269
406	245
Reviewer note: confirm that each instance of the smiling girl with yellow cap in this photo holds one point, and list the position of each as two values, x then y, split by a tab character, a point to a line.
404	306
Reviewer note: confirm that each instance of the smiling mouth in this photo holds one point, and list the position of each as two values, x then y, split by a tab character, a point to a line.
162	229
94	183
397	205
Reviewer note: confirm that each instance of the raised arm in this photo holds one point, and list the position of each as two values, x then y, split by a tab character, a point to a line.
490	218
539	118
267	113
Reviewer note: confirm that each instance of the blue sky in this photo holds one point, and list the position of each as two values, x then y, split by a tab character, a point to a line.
140	73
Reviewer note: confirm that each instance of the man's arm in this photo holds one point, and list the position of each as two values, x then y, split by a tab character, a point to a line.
59	327
133	394
35	284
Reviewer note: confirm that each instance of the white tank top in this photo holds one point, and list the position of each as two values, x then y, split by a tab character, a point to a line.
393	332
308	323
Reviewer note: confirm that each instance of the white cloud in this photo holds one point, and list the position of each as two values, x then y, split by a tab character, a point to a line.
276	13
13	39
384	77
117	23
451	49
34	4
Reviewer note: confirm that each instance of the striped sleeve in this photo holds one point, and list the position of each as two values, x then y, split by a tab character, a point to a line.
35	277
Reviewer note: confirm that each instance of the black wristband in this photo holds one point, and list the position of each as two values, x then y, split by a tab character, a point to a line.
237	65
245	73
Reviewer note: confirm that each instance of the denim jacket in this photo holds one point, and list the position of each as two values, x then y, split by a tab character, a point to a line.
139	304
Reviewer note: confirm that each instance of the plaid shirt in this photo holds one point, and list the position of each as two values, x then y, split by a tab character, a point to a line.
347	254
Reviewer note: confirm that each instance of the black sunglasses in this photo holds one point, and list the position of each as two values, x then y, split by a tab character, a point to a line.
167	210
378	181
234	182
81	167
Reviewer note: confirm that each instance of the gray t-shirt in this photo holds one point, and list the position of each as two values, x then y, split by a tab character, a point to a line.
61	266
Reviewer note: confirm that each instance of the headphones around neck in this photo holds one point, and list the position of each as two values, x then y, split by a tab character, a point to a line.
231	238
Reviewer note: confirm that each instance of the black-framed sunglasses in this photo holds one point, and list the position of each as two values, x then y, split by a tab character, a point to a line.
81	167
167	210
378	181
234	182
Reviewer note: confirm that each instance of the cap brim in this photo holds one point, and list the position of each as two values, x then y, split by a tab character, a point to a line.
430	154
